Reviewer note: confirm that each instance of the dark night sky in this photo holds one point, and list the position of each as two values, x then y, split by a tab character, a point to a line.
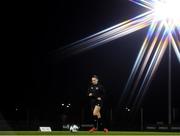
45	81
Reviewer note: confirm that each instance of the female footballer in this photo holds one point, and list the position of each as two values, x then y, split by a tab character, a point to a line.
96	94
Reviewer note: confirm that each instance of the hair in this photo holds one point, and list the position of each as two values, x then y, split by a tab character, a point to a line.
95	76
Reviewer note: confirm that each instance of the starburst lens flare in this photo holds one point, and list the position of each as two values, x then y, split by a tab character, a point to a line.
168	10
163	19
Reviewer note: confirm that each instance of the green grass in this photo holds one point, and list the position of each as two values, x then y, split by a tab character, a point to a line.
85	133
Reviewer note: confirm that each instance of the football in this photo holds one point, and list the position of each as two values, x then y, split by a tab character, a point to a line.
74	128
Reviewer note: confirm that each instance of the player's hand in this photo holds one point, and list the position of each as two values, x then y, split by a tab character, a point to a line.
99	98
90	94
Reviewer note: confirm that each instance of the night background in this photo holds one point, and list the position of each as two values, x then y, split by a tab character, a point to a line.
39	79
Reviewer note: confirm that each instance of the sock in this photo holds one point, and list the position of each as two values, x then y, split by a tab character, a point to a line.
100	124
95	121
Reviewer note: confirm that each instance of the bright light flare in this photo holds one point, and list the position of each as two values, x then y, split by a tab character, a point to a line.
163	17
168	10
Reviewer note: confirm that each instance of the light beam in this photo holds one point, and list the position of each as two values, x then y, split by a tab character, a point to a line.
163	17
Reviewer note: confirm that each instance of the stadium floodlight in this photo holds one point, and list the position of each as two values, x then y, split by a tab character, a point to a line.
168	10
67	106
62	104
163	19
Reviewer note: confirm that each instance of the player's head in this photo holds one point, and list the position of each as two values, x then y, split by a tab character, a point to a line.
94	79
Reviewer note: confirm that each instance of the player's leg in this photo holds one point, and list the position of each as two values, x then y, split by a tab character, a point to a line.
95	119
100	122
96	116
97	113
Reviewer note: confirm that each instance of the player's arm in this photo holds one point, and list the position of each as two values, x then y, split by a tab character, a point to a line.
90	94
101	93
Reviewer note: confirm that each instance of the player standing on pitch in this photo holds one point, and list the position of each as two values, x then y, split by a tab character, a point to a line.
96	94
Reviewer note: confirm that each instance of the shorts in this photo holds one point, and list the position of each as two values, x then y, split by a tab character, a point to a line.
95	102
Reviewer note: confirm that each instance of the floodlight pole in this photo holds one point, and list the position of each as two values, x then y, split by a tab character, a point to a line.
169	86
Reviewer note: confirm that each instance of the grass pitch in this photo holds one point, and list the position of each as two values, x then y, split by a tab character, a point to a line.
85	133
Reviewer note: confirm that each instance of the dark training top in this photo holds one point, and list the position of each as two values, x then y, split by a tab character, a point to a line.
97	91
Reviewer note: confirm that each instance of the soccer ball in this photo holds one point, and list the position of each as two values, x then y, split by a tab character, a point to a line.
74	128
